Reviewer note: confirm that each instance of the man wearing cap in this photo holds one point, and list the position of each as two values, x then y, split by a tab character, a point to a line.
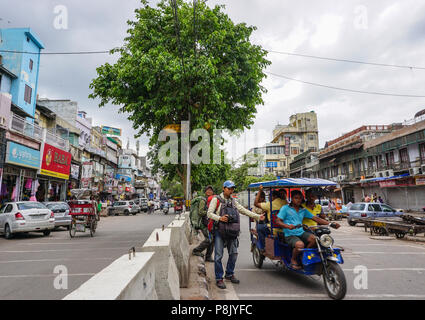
225	210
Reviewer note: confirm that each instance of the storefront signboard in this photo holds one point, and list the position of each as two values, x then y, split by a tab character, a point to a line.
22	156
55	162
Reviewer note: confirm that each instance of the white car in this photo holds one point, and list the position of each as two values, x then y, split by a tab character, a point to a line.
25	216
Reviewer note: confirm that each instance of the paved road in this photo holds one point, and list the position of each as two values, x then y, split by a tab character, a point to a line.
27	262
396	270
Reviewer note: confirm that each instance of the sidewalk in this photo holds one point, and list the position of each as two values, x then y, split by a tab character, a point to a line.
202	279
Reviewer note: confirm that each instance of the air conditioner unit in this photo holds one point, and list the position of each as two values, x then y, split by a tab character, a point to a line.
415	171
380	174
389	173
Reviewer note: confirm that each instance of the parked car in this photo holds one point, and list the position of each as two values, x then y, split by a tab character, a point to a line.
25	216
142	203
125	207
61	211
370	210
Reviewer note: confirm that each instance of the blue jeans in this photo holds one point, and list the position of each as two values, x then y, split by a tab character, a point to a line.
263	231
232	249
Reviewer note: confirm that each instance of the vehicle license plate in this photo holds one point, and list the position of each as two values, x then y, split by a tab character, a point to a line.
81	227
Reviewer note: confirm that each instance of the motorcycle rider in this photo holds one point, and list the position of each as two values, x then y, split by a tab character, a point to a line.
292	215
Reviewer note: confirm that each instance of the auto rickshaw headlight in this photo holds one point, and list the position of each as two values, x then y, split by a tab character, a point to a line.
326	240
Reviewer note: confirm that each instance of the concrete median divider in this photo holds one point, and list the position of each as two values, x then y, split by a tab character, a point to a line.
167	282
187	227
123	279
180	250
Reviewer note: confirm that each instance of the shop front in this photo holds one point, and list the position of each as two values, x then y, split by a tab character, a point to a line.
54	174
18	179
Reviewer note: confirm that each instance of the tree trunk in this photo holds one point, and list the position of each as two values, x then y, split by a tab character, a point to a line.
182	176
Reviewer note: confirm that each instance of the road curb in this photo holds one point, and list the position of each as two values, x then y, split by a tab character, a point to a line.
416	239
199	283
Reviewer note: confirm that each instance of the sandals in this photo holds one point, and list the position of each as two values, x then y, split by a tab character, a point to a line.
295	266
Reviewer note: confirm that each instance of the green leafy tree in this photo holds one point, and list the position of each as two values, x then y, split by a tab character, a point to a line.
172	64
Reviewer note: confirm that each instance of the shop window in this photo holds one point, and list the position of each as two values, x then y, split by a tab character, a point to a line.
422	151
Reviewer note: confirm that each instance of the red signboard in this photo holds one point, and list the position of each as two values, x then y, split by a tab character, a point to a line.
55	162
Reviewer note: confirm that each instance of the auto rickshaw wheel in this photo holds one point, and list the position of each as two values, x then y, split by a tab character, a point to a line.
257	257
93	224
335	283
73	229
400	235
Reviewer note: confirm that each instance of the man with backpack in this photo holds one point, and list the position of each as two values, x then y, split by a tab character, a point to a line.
225	211
199	221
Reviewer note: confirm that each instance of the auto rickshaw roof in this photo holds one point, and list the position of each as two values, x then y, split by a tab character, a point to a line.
294	182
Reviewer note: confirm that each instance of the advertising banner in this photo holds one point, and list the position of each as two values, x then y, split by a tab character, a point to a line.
75	171
420	181
124	162
287	145
20	155
55	162
111	131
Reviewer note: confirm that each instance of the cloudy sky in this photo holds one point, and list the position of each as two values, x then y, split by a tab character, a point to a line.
379	31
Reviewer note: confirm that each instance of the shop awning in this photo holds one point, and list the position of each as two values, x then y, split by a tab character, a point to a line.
385	178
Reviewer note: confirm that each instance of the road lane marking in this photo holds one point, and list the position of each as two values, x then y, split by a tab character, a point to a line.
54	260
61	250
73	243
346	270
47	275
383	252
281	295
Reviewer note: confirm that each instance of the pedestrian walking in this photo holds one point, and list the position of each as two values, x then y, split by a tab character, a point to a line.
199	221
225	211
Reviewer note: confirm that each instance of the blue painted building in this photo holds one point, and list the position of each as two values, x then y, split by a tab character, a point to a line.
20	49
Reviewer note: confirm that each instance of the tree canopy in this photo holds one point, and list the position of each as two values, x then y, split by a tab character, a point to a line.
174	64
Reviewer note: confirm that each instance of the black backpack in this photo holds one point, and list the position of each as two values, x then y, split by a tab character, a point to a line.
232	228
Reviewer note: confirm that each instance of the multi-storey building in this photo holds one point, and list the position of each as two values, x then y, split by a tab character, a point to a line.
386	160
21	56
299	136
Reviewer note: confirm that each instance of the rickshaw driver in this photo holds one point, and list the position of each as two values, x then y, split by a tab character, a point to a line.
291	215
263	229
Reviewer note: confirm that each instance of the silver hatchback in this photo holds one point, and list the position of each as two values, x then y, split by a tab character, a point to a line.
124	207
61	211
26	216
370	210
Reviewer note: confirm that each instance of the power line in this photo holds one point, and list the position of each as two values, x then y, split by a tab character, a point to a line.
345	89
56	53
272	51
346	60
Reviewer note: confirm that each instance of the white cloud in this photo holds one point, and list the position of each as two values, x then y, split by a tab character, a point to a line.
327	31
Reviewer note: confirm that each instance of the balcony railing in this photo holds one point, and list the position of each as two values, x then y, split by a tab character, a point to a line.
57	141
20	125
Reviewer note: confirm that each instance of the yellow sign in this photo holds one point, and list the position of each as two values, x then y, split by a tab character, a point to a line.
173	128
54	174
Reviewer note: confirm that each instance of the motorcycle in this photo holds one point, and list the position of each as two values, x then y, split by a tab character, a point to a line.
323	260
165	210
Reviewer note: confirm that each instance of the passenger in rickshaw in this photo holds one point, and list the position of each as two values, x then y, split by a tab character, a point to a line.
292	215
315	209
263	229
